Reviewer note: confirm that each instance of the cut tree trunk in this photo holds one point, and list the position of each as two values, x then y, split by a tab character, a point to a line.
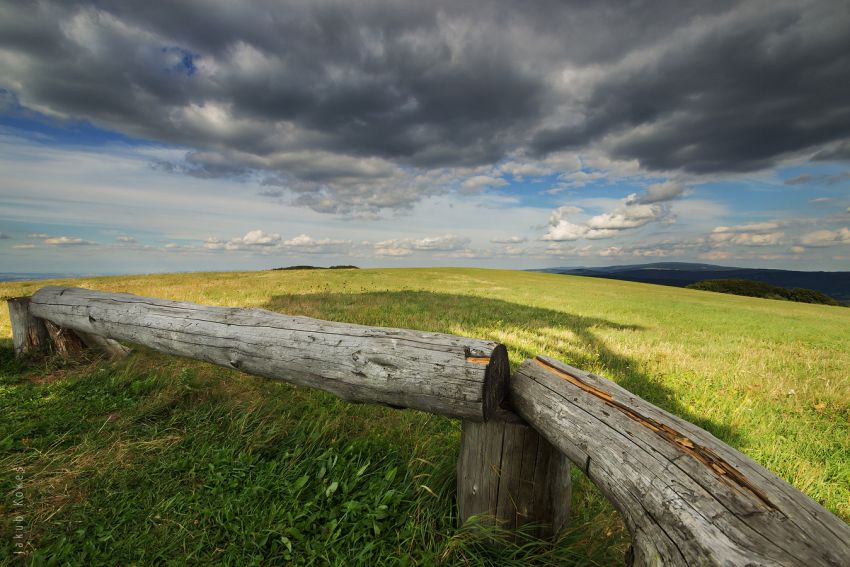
510	476
29	335
686	497
442	374
65	341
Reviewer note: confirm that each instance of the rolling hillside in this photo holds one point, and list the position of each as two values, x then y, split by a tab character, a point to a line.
180	460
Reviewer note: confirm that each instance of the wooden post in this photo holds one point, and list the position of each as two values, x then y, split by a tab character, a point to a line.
686	497
510	476
29	333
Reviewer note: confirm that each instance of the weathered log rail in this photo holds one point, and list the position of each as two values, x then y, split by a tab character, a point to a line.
466	377
686	497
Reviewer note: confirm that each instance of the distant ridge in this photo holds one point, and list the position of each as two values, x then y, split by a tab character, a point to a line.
25	277
304	267
681	274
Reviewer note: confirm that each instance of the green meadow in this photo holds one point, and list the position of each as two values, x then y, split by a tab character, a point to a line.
160	460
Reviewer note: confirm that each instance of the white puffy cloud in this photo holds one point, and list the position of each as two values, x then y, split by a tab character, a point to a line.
126	239
752	227
309	245
560	229
564	211
823	238
258	238
263	242
747	238
629	216
606	225
253	239
611	251
564	230
213	243
509	240
441	243
405	246
752	234
386	249
68	241
174	247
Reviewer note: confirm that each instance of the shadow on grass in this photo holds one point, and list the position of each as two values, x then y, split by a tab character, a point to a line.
526	331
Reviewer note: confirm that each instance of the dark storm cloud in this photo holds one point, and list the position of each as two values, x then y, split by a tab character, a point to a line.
733	92
341	101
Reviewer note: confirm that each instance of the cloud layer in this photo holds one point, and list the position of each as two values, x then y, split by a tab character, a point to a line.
358	107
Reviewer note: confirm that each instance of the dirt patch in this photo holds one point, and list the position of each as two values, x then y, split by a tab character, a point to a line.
51	377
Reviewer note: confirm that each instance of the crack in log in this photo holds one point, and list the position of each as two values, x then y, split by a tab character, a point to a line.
478	359
704	455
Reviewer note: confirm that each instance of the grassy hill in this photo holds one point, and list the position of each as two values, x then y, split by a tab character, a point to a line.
156	458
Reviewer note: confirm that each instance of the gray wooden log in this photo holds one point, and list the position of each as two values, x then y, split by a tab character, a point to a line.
442	374
29	335
686	497
510	476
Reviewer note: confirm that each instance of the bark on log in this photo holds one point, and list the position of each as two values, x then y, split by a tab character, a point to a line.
443	374
29	334
510	476
686	497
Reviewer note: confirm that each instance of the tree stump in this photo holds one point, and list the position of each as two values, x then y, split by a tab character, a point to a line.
29	333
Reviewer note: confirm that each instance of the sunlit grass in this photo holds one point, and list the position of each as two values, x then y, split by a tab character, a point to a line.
157	459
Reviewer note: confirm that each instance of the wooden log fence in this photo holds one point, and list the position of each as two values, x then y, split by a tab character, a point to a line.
466	377
686	497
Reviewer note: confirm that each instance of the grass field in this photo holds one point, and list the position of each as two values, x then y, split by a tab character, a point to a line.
158	460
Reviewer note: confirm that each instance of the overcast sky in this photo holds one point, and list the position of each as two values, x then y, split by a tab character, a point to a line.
191	135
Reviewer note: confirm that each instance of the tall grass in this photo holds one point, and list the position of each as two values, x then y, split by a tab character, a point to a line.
160	460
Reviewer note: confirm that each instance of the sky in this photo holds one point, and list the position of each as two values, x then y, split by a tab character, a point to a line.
140	137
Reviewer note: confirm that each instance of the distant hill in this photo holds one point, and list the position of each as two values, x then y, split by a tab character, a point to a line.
25	277
681	274
343	267
752	288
